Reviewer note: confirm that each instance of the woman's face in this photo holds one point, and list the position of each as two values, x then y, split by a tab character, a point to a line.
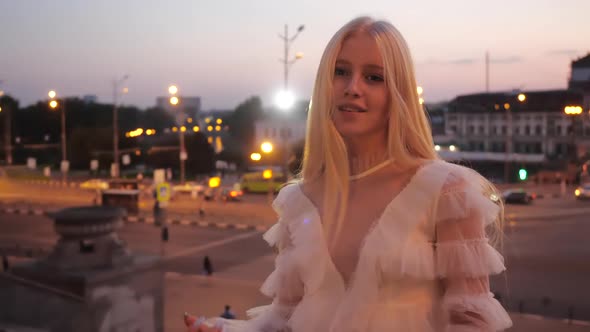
360	94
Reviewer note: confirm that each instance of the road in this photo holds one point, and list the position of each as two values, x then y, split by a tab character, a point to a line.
546	246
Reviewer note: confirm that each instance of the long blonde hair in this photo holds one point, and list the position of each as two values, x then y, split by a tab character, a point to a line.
409	137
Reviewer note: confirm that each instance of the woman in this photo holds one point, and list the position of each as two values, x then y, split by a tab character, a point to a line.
378	234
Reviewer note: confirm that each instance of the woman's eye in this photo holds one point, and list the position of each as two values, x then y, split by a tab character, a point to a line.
339	71
375	78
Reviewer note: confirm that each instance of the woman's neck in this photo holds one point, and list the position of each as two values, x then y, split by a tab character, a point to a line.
362	158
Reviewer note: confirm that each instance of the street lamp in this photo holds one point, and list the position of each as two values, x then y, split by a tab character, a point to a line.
266	147
116	83
285	101
255	156
174	101
573	112
7	131
53	103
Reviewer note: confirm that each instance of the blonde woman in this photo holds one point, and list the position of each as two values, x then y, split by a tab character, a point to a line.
378	234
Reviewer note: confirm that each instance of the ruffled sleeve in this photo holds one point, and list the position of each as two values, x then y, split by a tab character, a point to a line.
464	259
283	285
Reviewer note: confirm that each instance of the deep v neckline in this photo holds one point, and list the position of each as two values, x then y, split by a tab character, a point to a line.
347	284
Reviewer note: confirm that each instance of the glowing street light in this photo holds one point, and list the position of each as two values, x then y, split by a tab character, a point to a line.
255	156
285	100
174	101
521	97
266	147
572	110
173	89
53	104
52	94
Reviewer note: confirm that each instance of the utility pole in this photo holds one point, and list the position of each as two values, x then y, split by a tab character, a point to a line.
286	61
116	84
7	130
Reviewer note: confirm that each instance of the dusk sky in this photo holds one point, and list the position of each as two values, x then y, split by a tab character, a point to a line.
225	51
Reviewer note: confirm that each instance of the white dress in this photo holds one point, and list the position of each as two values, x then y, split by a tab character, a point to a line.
422	267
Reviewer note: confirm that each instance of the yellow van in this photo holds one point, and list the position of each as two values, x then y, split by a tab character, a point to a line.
255	183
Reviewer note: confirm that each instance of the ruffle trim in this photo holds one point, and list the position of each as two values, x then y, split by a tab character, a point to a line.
459	204
416	261
299	221
468	258
490	310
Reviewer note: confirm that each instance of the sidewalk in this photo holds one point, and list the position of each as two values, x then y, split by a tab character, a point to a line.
239	287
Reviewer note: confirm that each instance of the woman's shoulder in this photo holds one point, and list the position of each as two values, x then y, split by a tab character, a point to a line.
291	199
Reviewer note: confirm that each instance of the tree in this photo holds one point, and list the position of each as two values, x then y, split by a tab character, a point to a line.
243	119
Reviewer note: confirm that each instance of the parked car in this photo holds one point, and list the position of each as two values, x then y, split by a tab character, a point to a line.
95	184
228	194
583	192
518	196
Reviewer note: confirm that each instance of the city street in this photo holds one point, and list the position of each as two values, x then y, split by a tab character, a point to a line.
545	246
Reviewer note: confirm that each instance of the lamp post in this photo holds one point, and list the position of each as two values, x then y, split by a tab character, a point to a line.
53	103
573	112
7	131
286	61
510	135
174	101
116	84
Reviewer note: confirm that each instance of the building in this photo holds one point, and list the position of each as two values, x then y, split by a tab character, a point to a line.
580	79
190	107
528	122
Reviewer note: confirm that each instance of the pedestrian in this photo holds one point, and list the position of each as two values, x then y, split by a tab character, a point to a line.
377	233
207	266
227	313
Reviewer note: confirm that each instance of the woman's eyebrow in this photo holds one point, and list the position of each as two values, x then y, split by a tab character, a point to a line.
372	66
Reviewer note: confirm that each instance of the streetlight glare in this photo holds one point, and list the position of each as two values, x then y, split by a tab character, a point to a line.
53	104
521	97
299	55
173	89
174	100
573	110
266	147
196	129
420	90
183	129
219	121
52	94
255	156
285	100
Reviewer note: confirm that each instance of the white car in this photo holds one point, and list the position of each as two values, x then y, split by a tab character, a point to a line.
583	191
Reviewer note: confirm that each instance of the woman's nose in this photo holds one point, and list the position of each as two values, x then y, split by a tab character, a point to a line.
352	86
